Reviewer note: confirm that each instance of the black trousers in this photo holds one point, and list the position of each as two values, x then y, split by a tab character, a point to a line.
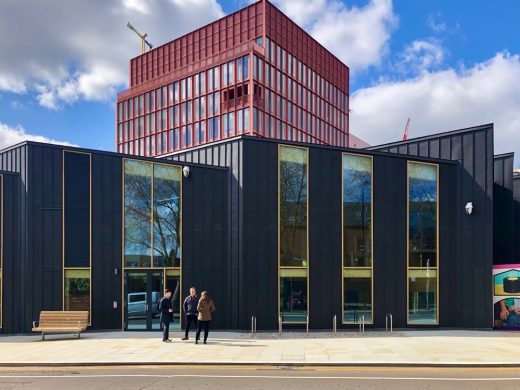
190	318
166	331
205	325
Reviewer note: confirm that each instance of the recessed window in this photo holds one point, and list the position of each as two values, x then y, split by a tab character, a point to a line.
77	249
357	239
293	234
76	295
422	244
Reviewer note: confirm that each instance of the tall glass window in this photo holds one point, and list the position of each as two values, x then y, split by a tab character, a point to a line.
422	244
138	199
146	185
76	221
167	217
152	224
357	238
293	234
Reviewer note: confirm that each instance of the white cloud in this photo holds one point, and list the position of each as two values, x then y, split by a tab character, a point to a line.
444	100
69	50
435	23
358	36
420	55
12	135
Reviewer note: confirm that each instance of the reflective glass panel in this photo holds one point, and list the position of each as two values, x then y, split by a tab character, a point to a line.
422	296
357	211
173	282
357	295
77	290
167	216
138	198
293	298
422	181
422	243
293	206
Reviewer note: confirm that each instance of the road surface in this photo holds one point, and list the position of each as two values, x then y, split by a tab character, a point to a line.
230	378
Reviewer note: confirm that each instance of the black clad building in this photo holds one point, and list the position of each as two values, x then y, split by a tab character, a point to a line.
286	232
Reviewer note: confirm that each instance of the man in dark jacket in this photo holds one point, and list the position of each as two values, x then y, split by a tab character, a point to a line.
190	310
166	309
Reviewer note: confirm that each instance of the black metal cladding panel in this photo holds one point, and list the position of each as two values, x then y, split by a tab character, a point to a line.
76	189
503	209
450	271
11	252
15	160
42	277
325	234
221	155
473	253
389	206
204	229
107	217
259	267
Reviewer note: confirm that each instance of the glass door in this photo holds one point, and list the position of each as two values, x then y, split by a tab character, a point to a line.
156	293
143	289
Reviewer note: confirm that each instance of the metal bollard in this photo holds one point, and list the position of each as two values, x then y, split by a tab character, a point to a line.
334	324
307	324
280	325
389	315
362	324
253	325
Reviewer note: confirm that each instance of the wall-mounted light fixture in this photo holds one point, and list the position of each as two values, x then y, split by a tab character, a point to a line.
186	171
469	208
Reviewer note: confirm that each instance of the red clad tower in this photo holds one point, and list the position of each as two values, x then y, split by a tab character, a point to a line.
252	72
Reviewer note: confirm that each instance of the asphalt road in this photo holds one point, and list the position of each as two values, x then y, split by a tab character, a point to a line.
278	378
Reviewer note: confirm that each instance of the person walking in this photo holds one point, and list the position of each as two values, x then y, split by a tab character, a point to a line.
190	311
166	309
205	308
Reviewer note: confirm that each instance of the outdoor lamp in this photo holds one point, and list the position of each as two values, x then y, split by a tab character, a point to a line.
186	171
469	208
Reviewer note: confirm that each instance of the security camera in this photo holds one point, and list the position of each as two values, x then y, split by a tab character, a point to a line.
186	171
469	208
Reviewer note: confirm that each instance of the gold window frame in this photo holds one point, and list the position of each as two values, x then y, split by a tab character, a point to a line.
63	268
343	268
437	259
281	268
164	270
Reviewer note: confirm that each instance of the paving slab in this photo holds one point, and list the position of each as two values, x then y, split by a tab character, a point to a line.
414	348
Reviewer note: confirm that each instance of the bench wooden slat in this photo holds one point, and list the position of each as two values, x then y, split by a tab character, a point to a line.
62	322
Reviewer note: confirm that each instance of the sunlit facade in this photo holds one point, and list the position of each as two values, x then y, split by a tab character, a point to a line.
252	72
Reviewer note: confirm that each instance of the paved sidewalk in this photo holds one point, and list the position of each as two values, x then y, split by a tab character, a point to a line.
423	348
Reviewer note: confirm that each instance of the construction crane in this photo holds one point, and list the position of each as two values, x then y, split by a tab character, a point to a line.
405	134
144	42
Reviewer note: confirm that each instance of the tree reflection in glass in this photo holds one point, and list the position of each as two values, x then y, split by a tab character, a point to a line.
422	215
422	236
357	199
138	198
293	207
167	216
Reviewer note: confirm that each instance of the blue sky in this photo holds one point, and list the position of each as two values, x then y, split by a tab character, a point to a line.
445	64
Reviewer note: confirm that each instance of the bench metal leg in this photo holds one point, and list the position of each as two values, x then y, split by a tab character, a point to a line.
43	336
78	335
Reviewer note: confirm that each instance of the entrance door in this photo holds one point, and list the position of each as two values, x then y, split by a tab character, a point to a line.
143	288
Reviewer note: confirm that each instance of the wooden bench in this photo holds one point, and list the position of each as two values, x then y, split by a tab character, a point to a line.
61	322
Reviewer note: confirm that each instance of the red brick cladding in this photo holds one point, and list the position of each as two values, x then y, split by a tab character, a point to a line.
217	37
293	38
